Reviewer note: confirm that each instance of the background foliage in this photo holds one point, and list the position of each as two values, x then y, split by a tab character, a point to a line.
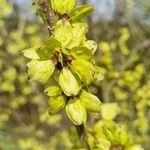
122	33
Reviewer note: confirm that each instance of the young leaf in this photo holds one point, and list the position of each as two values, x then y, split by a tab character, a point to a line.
76	111
40	71
56	104
48	48
78	13
39	12
31	52
69	83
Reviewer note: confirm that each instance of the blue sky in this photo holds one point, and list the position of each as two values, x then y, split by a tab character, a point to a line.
104	8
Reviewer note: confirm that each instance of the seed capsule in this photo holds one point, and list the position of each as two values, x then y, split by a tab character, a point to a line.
63	33
84	69
76	111
56	104
91	45
40	71
62	6
79	30
53	91
90	101
69	83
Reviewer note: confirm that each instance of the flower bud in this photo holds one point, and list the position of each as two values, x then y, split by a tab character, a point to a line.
56	104
76	111
69	83
62	6
90	101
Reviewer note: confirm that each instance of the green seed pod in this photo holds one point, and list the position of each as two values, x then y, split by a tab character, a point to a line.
56	104
53	91
63	33
90	101
109	134
84	69
90	45
69	83
76	111
79	30
40	71
62	6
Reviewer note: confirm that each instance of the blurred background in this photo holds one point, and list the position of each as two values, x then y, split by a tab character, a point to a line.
122	30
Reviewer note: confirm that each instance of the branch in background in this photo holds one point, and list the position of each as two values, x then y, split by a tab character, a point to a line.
142	46
49	15
82	133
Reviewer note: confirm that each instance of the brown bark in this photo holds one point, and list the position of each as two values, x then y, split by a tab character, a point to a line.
49	15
